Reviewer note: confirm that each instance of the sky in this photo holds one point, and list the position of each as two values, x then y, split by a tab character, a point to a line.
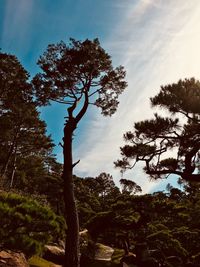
157	41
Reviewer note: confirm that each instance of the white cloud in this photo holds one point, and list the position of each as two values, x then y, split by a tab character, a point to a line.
158	43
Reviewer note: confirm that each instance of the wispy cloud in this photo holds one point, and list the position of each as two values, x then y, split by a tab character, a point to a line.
16	22
158	43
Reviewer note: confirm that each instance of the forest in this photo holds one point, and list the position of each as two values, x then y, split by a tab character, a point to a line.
89	220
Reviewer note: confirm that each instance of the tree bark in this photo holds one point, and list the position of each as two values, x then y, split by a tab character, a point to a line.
72	253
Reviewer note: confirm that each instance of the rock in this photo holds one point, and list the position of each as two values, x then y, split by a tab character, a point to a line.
54	254
12	259
103	253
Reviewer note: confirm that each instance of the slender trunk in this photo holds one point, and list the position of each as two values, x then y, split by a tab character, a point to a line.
72	254
13	170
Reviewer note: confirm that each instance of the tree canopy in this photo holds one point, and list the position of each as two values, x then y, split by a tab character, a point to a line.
79	73
152	141
22	132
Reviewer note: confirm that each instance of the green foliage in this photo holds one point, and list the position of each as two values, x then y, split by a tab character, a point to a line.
94	195
23	139
79	71
167	222
25	224
14	86
165	242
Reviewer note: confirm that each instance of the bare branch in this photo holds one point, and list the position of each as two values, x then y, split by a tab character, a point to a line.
74	164
98	90
62	101
188	116
60	144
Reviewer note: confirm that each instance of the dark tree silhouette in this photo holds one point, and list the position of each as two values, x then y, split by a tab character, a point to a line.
77	75
22	133
151	140
129	187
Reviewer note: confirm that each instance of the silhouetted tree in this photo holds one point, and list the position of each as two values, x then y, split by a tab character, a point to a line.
129	186
78	75
151	140
22	133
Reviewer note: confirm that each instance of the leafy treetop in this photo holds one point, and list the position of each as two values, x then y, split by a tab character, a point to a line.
152	140
78	73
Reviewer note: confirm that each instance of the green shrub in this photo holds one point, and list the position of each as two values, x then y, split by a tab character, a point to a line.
25	224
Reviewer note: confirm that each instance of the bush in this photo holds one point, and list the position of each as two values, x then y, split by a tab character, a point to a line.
25	224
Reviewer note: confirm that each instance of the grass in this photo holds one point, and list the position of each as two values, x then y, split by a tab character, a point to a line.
36	261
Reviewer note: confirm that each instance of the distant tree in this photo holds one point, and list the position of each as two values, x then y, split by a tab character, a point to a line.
77	75
86	199
129	186
94	195
151	140
105	184
22	133
14	91
106	189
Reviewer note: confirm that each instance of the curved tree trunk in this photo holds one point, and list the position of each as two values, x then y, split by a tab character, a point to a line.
72	253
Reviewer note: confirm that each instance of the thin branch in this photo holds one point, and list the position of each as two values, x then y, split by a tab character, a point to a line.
187	115
165	137
85	104
92	104
98	90
161	172
74	164
131	167
60	144
62	101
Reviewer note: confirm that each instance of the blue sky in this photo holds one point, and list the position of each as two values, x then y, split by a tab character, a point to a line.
156	40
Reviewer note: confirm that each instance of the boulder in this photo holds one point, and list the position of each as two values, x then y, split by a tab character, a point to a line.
54	253
102	252
12	259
